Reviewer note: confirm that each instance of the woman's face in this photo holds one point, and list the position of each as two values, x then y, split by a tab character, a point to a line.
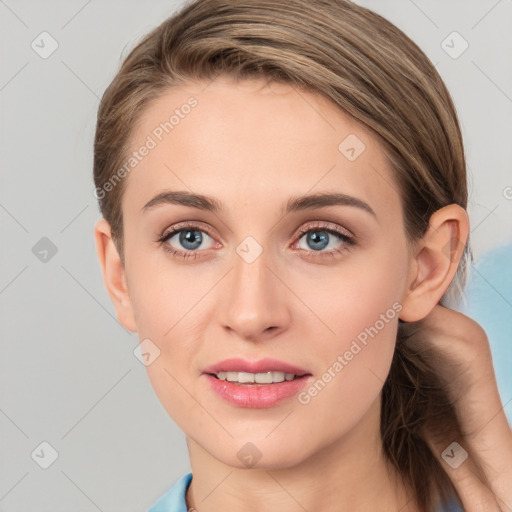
264	276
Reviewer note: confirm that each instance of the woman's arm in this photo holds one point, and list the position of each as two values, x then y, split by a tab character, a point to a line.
472	385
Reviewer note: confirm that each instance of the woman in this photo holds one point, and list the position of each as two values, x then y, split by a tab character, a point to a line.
283	191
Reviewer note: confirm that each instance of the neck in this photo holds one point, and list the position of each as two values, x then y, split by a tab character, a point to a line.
350	473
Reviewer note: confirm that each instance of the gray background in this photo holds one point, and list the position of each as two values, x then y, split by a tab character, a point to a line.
68	373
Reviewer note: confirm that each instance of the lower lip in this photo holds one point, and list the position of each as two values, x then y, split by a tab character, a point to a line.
257	396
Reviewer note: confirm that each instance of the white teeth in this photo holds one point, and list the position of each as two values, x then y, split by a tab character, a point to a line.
258	378
280	376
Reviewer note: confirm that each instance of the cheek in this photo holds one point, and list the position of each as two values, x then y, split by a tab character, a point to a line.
166	304
360	294
361	308
162	296
354	368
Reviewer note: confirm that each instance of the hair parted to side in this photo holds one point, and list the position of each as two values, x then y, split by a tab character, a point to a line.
374	73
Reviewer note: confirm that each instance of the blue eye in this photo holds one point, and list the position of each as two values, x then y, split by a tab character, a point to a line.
320	237
317	239
190	238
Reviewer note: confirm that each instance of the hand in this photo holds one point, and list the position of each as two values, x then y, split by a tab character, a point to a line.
471	383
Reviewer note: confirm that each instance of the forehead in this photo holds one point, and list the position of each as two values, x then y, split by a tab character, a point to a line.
254	140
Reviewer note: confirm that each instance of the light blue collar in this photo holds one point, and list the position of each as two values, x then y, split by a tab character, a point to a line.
174	499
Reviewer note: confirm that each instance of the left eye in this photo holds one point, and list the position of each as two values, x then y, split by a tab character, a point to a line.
320	238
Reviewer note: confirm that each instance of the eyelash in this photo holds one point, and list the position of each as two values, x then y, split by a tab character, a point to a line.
323	228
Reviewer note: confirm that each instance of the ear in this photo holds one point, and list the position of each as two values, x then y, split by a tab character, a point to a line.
435	261
114	275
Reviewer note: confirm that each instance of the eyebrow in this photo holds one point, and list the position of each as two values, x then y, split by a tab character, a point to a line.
208	203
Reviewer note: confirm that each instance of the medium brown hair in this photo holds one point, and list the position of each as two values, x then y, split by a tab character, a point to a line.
374	73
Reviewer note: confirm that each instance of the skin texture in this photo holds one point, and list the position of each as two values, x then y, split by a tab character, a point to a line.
253	145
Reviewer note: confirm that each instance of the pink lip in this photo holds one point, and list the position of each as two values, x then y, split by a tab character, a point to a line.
236	364
256	396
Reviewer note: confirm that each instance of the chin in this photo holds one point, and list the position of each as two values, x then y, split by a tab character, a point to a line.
262	454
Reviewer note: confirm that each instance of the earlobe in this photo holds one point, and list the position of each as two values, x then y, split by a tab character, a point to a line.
114	275
435	262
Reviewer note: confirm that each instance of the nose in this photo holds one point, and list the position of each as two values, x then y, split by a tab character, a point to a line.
254	299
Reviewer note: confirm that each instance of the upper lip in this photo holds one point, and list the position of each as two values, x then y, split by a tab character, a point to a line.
236	364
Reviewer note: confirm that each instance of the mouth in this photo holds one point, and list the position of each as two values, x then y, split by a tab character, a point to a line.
263	371
256	394
247	378
256	384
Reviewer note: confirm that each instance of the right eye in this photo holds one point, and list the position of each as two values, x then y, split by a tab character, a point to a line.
188	237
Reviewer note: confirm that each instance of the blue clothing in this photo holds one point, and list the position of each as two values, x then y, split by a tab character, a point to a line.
174	499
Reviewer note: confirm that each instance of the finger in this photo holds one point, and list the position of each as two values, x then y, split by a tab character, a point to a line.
466	477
